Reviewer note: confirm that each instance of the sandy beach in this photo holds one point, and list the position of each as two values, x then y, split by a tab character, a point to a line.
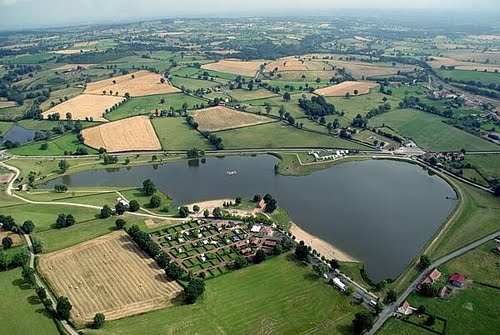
323	247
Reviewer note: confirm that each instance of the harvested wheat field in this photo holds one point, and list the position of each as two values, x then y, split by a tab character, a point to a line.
340	90
143	83
460	65
132	134
235	66
220	118
85	106
295	64
108	275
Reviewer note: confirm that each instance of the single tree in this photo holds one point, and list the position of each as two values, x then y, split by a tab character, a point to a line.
286	96
29	276
425	262
302	252
63	308
362	322
99	319
28	227
206	213
148	187
183	212
260	256
106	212
194	289
196	208
120	223
421	310
134	206
391	296
63	166
431	320
173	271
155	201
120	208
7	242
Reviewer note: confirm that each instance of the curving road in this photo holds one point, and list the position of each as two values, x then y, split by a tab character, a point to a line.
391	309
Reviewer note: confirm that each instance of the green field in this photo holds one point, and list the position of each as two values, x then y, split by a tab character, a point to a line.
480	265
175	134
59	146
484	77
476	217
28	59
21	312
488	165
244	94
399	327
277	135
193	84
242	303
429	132
144	105
358	105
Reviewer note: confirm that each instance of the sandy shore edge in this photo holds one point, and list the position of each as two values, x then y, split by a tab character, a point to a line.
323	247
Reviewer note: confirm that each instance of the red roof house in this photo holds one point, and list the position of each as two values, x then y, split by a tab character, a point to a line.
457	279
405	308
431	277
261	204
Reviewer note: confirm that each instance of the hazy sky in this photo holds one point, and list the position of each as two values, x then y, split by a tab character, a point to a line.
18	14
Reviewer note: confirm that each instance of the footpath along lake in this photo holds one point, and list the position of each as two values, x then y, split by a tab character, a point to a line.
379	211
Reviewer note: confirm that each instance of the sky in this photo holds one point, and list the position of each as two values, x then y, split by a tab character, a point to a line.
25	14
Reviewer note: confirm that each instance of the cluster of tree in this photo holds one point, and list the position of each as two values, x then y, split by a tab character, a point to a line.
415	102
148	188
194	289
65	220
481	91
60	188
359	121
379	110
271	203
215	140
109	159
302	252
362	322
195	153
190	120
316	106
388	135
145	242
9	262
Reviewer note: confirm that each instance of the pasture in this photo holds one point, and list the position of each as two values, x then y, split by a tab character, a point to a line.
240	303
484	77
59	146
220	118
175	134
21	312
132	134
144	105
487	165
85	106
352	87
87	274
430	132
280	135
235	66
138	84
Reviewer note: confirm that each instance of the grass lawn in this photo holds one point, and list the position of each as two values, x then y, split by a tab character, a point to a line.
480	265
21	312
429	132
44	217
396	326
488	165
289	164
135	194
144	105
176	134
279	134
79	195
244	302
473	310
57	147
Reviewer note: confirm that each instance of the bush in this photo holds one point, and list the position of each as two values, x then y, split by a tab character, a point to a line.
120	223
155	201
134	206
99	319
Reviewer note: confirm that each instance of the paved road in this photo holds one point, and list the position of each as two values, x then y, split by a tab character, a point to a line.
69	328
391	309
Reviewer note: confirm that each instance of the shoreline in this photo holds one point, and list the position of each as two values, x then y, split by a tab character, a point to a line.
324	248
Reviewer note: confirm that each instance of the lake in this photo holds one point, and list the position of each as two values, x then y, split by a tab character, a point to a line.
19	134
380	211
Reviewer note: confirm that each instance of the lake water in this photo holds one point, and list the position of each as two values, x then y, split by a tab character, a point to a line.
379	211
19	134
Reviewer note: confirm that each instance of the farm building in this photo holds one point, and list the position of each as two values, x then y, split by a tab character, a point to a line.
457	279
261	204
431	277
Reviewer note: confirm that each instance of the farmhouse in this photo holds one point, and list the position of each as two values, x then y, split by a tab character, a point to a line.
261	204
431	277
457	279
405	308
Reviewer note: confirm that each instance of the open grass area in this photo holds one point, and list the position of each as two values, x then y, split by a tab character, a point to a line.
358	105
193	84
147	104
484	77
397	326
473	310
21	312
279	134
176	134
136	194
289	164
477	216
242	303
480	265
430	132
487	165
245	95
59	146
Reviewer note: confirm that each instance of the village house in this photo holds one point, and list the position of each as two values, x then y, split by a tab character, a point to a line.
405	308
457	279
261	204
432	277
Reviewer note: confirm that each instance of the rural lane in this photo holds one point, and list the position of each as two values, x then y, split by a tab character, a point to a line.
39	283
391	309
